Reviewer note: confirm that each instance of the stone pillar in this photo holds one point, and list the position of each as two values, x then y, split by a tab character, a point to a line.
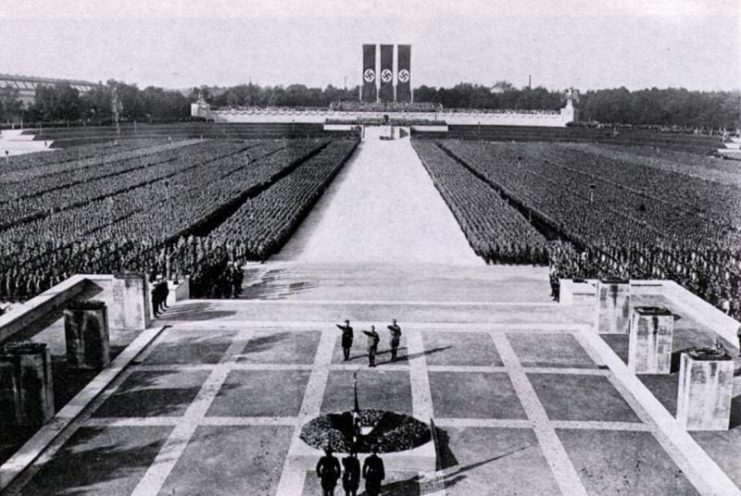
650	342
86	332
705	390
613	306
26	388
131	302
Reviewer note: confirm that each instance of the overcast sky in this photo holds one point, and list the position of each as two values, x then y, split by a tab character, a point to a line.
181	43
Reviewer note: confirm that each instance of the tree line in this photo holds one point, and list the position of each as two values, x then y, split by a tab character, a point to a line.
654	106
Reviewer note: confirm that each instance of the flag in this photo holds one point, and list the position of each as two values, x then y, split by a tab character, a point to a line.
404	75
369	73
386	92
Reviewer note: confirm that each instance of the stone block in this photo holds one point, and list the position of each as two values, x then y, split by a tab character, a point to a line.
26	387
130	308
612	313
705	390
87	335
650	341
576	292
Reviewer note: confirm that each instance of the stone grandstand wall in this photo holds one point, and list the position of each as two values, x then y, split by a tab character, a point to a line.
287	115
71	136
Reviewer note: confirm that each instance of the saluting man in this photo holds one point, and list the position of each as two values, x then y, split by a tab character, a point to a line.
373	339
347	338
395	331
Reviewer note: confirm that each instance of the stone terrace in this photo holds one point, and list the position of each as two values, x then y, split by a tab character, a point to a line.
525	405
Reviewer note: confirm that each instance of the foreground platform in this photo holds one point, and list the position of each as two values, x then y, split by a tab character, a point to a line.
520	392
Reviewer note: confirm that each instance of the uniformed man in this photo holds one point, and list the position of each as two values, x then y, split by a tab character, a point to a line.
395	331
351	474
373	473
328	470
373	339
347	338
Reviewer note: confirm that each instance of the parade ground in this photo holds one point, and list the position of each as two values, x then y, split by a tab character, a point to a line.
525	398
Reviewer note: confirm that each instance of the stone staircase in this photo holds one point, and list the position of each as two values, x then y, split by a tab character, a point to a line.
732	149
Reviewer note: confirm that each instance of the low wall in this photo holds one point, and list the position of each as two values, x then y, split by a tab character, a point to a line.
35	315
700	310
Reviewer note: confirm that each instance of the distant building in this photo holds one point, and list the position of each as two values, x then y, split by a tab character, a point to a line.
26	85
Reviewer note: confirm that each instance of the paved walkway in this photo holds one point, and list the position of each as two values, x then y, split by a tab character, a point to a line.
382	207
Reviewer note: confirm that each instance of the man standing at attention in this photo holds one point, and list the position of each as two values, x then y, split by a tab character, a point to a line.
328	470
347	337
373	339
373	473
351	474
395	331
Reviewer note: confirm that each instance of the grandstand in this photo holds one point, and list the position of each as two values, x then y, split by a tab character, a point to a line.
26	85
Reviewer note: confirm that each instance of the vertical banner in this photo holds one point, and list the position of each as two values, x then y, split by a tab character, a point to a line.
386	93
369	74
404	74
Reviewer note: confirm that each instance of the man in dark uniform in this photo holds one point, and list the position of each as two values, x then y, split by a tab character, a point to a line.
373	339
395	331
328	470
155	294
373	473
351	474
347	337
165	293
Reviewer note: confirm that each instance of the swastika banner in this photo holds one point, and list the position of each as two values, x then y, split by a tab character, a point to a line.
404	76
369	73
386	92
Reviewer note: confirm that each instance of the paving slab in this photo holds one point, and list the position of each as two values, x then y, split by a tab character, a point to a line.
581	397
275	346
460	348
230	460
260	393
549	350
489	461
182	346
474	395
153	394
99	460
623	462
377	389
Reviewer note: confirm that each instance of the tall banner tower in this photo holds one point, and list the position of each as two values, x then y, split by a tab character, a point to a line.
370	93
404	74
386	93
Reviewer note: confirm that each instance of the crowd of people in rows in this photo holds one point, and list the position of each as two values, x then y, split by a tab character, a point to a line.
712	274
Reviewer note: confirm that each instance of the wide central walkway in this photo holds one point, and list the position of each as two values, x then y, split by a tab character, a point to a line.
383	208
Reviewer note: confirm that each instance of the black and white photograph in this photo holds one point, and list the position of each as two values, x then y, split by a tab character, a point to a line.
370	248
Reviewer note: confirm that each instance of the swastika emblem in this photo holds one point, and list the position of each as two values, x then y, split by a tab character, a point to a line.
386	76
404	76
369	75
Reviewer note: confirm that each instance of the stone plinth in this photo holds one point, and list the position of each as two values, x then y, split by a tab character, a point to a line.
613	306
650	342
130	309
26	388
86	333
576	292
705	390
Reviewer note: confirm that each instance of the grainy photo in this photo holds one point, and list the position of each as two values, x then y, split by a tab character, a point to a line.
370	248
